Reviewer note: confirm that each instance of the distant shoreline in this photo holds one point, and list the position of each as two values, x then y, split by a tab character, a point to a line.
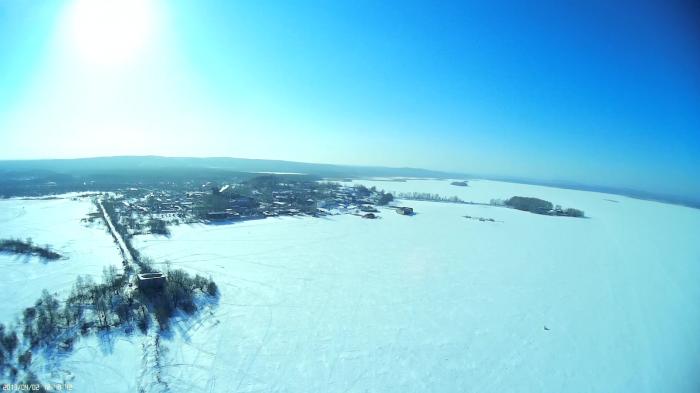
13	172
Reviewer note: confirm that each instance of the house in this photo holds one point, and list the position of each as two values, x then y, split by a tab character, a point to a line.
232	214
151	280
244	202
217	215
406	211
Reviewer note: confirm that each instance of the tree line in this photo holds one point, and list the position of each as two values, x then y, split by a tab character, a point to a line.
426	196
27	247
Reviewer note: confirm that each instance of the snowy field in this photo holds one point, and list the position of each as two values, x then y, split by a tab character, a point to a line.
429	303
87	248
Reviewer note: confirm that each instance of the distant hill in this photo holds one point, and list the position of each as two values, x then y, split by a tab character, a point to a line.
693	202
56	176
19	175
99	165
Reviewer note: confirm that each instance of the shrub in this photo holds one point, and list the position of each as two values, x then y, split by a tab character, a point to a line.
111	277
200	282
123	311
188	306
29	313
9	340
212	289
574	212
163	313
85	328
47	320
158	227
385	198
25	359
146	265
362	191
31	379
143	322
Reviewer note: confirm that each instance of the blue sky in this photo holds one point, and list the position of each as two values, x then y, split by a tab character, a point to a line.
591	92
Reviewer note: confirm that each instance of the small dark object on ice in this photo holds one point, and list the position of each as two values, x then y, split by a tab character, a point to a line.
545	327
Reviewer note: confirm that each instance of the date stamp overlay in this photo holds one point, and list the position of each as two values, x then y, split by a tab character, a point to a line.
35	387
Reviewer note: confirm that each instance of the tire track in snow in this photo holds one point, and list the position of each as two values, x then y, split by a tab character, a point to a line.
257	351
150	379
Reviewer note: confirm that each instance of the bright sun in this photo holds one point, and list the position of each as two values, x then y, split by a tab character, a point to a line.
109	32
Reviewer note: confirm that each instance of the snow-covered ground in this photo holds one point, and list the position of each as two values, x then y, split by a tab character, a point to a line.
436	302
429	303
105	362
87	248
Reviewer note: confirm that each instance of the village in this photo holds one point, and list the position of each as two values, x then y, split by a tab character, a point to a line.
152	210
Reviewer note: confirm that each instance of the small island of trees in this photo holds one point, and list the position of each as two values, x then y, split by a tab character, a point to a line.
538	206
460	183
27	247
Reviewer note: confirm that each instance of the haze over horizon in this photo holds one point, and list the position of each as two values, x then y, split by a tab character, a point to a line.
590	93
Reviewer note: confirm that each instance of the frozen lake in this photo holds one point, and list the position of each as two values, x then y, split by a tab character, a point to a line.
436	302
429	303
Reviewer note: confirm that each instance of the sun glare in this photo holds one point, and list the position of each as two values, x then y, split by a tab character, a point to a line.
109	32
